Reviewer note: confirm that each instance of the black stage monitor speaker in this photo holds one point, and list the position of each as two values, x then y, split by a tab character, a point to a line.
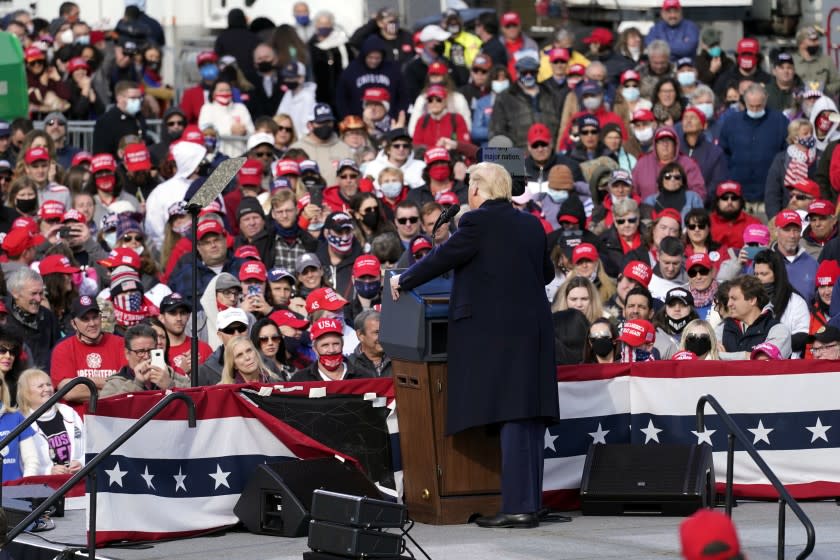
278	497
630	479
357	511
354	542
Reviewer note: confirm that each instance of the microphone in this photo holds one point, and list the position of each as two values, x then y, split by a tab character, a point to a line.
445	217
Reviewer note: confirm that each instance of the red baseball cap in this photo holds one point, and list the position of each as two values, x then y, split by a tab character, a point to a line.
786	218
684	355
576	70
584	252
206	56
121	256
36	154
665	132
435	155
209	226
253	270
420	243
286	167
827	273
510	18
809	187
103	162
821	208
670	213
748	46
77	63
539	133
559	54
137	157
705	528
437	69
286	318
367	265
73	215
51	209
250	173
447	198
324	298
56	264
80	158
697	113
19	240
33	53
630	75
642	115
600	35
671	5
698	259
768	349
638	271
377	95
193	134
247	252
757	233
733	187
325	326
637	332
436	91
27	223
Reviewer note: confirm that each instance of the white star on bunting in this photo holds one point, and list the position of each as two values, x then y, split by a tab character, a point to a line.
760	433
705	436
599	435
818	431
147	477
116	475
179	480
651	432
548	440
220	477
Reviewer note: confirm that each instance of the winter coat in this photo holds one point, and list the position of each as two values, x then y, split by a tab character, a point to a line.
819	69
647	170
448	125
514	113
766	328
711	160
776	196
683	38
223	118
360	364
357	77
412	169
329	57
327	155
692	200
825	104
455	103
300	105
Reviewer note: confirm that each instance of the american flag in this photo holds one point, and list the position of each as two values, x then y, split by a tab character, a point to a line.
788	409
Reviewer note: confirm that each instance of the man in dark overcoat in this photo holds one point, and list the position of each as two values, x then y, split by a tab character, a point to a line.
501	338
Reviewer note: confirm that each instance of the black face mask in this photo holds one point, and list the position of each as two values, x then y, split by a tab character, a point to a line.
155	65
371	219
602	346
292	344
813	50
264	67
291	84
677	325
26	205
314	183
322	132
770	290
204	169
700	345
439	49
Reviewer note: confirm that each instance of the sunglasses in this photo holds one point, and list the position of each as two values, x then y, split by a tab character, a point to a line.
434	99
267	155
509	25
170	124
528	73
54	122
693	227
348	176
235	329
411	220
730	197
7	350
369	210
288	129
600	337
589	132
802	197
401	146
272	338
622	221
479	70
538	145
672	177
697	270
130	238
693	336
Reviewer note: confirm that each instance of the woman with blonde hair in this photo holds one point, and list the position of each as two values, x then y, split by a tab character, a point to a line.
579	293
243	364
286	134
59	432
699	337
795	164
20	458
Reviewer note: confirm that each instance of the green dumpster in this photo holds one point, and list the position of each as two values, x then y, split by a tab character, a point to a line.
14	97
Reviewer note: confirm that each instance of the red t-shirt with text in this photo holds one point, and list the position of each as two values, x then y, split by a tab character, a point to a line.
178	353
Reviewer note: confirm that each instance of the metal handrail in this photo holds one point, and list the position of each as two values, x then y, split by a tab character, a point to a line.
735	433
32	418
88	469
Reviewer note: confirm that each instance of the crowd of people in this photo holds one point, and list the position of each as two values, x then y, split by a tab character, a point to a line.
688	197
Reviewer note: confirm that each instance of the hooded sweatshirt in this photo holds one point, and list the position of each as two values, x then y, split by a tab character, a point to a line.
824	104
358	77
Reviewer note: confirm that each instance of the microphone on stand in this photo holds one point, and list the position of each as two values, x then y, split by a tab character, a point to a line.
445	217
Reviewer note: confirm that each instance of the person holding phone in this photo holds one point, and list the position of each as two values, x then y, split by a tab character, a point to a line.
253	276
143	371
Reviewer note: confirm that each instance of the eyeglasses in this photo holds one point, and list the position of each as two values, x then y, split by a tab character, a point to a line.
266	155
409	220
309	270
538	145
237	328
528	73
622	221
509	25
559	61
288	129
272	338
36	63
479	70
7	350
589	132
695	226
130	238
697	270
53	221
802	197
54	122
142	351
231	292
170	124
818	349
434	99
401	146
672	177
730	197
348	176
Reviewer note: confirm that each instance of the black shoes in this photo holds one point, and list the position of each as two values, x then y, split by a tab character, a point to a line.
509	521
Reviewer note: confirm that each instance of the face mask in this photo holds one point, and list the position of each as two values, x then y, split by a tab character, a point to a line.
823	123
602	346
769	289
643	135
291	84
715	52
439	173
746	62
635	52
66	36
755	114
809	142
26	205
391	189
700	345
735	106
132	107
331	362
139	249
182	230
454	29
155	65
291	343
500	86
391	28
322	132
677	325
528	80
557	196
223	98
209	72
323	31
265	66
210	143
110	238
83	40
106	183
302	20
340	244
592	103
371	219
707	109
439	49
813	50
367	290
642	355
313	183
631	94
686	78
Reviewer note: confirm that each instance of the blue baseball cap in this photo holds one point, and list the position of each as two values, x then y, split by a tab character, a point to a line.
591	88
277	274
5	129
309	165
323	113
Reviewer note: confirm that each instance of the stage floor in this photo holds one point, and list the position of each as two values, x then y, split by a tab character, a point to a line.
585	538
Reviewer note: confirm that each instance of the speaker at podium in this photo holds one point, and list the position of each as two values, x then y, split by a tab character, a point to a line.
447	479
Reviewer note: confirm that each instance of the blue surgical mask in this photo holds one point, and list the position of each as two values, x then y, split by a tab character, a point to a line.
391	189
110	238
500	86
528	80
707	109
642	355
303	21
210	143
132	107
715	52
209	72
367	290
631	94
686	78
557	196
83	40
756	114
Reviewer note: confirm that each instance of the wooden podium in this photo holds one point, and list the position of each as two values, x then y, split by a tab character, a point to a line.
448	479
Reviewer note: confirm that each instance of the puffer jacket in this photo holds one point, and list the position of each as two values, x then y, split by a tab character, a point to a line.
513	113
